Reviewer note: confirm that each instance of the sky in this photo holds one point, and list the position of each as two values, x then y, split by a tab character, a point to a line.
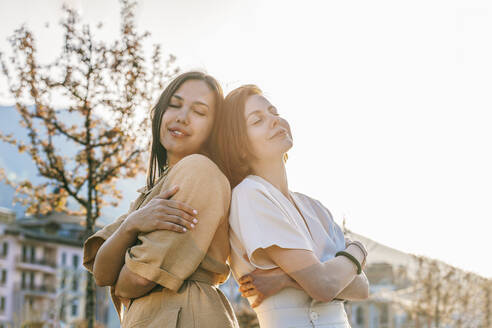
389	102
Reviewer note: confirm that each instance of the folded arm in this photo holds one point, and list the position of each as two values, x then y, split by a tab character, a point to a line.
322	281
132	285
111	256
357	290
159	213
265	283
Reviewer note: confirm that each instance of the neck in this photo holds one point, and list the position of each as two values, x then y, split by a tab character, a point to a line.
172	159
274	172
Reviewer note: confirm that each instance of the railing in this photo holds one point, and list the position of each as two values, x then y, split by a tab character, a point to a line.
42	262
45	288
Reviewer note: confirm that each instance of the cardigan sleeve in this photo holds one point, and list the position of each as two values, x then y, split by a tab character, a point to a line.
168	257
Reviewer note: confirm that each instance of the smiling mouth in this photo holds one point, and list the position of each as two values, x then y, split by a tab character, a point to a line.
177	133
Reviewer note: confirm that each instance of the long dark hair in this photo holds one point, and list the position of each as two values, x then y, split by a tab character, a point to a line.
158	154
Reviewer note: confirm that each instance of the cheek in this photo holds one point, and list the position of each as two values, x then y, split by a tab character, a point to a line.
257	139
167	117
164	121
202	128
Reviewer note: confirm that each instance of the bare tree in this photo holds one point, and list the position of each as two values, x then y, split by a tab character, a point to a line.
81	149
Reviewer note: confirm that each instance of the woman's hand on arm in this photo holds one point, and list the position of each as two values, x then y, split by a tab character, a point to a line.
265	283
160	213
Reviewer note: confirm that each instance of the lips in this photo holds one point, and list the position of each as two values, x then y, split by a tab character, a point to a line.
178	132
278	133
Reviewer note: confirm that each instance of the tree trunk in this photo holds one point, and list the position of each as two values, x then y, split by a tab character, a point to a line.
90	290
487	319
90	300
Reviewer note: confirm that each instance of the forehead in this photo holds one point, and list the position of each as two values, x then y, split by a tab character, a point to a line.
195	90
256	102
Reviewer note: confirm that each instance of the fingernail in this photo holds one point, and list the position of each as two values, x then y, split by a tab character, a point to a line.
195	212
192	225
195	220
184	229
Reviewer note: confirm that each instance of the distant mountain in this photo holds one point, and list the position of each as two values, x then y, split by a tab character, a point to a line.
20	166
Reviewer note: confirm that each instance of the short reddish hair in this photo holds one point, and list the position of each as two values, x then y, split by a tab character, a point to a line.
234	151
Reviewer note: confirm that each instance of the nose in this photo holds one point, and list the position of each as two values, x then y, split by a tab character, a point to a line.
274	121
182	115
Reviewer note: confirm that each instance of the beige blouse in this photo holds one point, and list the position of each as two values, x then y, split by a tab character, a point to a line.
186	266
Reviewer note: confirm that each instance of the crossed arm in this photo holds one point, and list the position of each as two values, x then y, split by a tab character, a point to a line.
336	278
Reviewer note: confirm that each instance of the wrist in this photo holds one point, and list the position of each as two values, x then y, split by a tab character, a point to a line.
356	252
128	228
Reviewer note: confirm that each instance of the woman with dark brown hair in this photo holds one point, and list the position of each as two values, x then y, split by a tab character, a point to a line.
288	254
166	256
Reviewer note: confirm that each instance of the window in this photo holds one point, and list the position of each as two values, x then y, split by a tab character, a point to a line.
359	315
24	253
28	253
2	304
33	254
64	259
31	280
383	318
27	280
75	308
62	283
5	249
3	277
75	261
23	280
75	283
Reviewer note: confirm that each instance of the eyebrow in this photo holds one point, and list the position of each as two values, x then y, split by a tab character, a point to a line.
259	111
195	102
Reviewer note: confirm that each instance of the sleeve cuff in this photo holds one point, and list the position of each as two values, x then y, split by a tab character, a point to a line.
91	246
153	273
259	258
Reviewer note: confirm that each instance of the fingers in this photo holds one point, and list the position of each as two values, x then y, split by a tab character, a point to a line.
246	287
259	299
245	279
177	220
180	213
182	206
166	225
249	293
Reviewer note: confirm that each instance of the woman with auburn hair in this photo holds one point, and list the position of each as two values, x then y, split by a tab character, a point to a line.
165	257
290	257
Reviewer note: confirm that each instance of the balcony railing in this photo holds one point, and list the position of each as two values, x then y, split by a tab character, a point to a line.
43	262
44	288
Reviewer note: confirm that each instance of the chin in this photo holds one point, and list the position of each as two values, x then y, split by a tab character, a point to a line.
287	146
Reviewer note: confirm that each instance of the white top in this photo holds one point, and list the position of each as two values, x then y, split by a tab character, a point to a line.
261	216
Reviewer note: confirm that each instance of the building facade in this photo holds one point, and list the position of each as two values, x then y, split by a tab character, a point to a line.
42	280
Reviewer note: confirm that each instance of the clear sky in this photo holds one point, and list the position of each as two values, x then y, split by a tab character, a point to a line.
389	101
